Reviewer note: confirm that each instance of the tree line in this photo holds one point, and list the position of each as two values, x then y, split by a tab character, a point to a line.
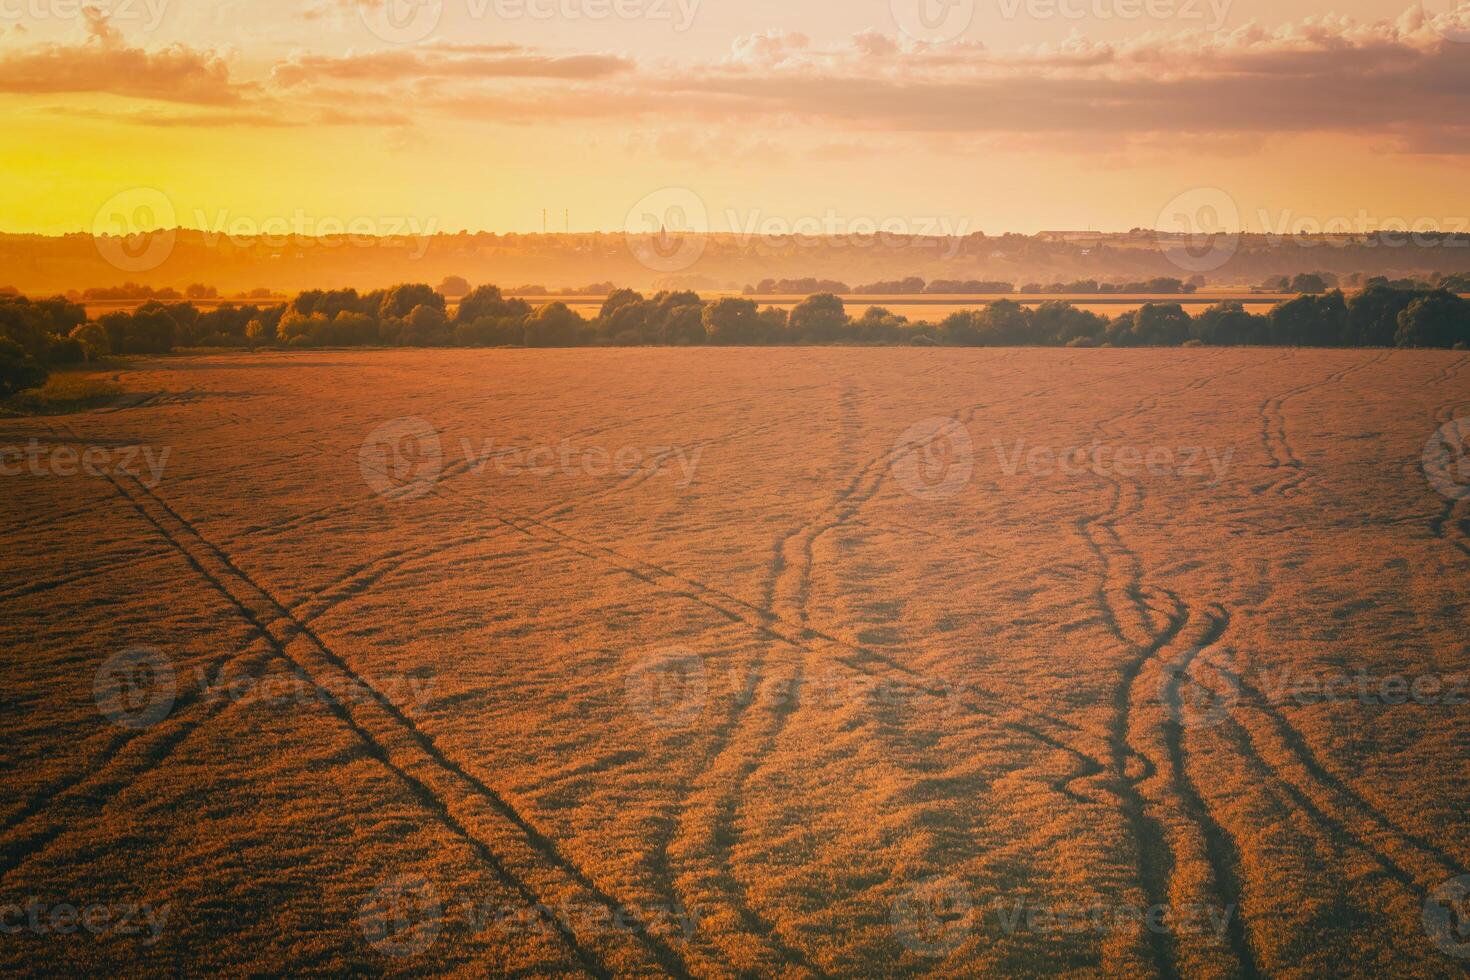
36	335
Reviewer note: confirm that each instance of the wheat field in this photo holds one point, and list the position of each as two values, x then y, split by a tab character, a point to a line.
718	663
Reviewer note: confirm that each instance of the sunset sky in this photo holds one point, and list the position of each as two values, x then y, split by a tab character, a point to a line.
475	114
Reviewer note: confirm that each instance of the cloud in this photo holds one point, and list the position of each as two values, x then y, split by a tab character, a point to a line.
105	64
445	61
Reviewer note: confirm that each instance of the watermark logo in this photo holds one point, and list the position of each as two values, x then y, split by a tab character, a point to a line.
1447	917
668	688
97	919
401	459
1197	692
933	917
1198	230
934	458
667	230
147	14
1446	459
134	230
679	14
400	21
933	21
402	917
136	688
941	234
142	463
1211	13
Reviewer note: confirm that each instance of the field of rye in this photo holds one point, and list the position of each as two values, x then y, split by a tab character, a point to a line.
742	662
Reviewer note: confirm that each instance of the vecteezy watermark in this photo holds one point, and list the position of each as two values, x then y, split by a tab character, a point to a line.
942	234
668	688
933	458
1199	229
96	919
401	459
410	21
404	458
142	463
1102	918
933	21
933	917
1198	689
1446	459
1446	917
300	230
678	14
405	916
147	14
1211	14
135	688
400	21
667	230
1363	230
1104	459
402	691
135	229
402	917
572	460
1201	688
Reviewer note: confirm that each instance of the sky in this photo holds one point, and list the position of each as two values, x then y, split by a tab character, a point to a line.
765	116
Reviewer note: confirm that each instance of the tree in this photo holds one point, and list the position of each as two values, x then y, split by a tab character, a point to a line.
1228	324
1003	322
554	325
454	286
1056	322
1308	282
730	320
425	326
1151	325
683	327
257	333
1373	315
1317	321
1437	319
483	301
820	318
401	299
18	369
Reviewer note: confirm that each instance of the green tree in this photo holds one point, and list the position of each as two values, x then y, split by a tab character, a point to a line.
820	318
18	369
730	320
1436	319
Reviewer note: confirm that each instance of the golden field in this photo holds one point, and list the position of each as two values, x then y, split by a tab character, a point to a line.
740	662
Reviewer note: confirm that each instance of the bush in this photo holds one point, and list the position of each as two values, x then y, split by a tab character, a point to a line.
67	350
18	369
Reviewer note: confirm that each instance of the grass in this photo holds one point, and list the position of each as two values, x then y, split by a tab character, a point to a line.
63	393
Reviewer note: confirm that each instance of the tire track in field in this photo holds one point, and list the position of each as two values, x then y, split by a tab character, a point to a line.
127	757
1340	806
1123	598
459	467
1460	527
1222	852
501	837
745	739
358	579
1345	820
1274	433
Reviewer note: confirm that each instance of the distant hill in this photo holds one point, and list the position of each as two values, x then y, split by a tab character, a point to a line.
38	264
